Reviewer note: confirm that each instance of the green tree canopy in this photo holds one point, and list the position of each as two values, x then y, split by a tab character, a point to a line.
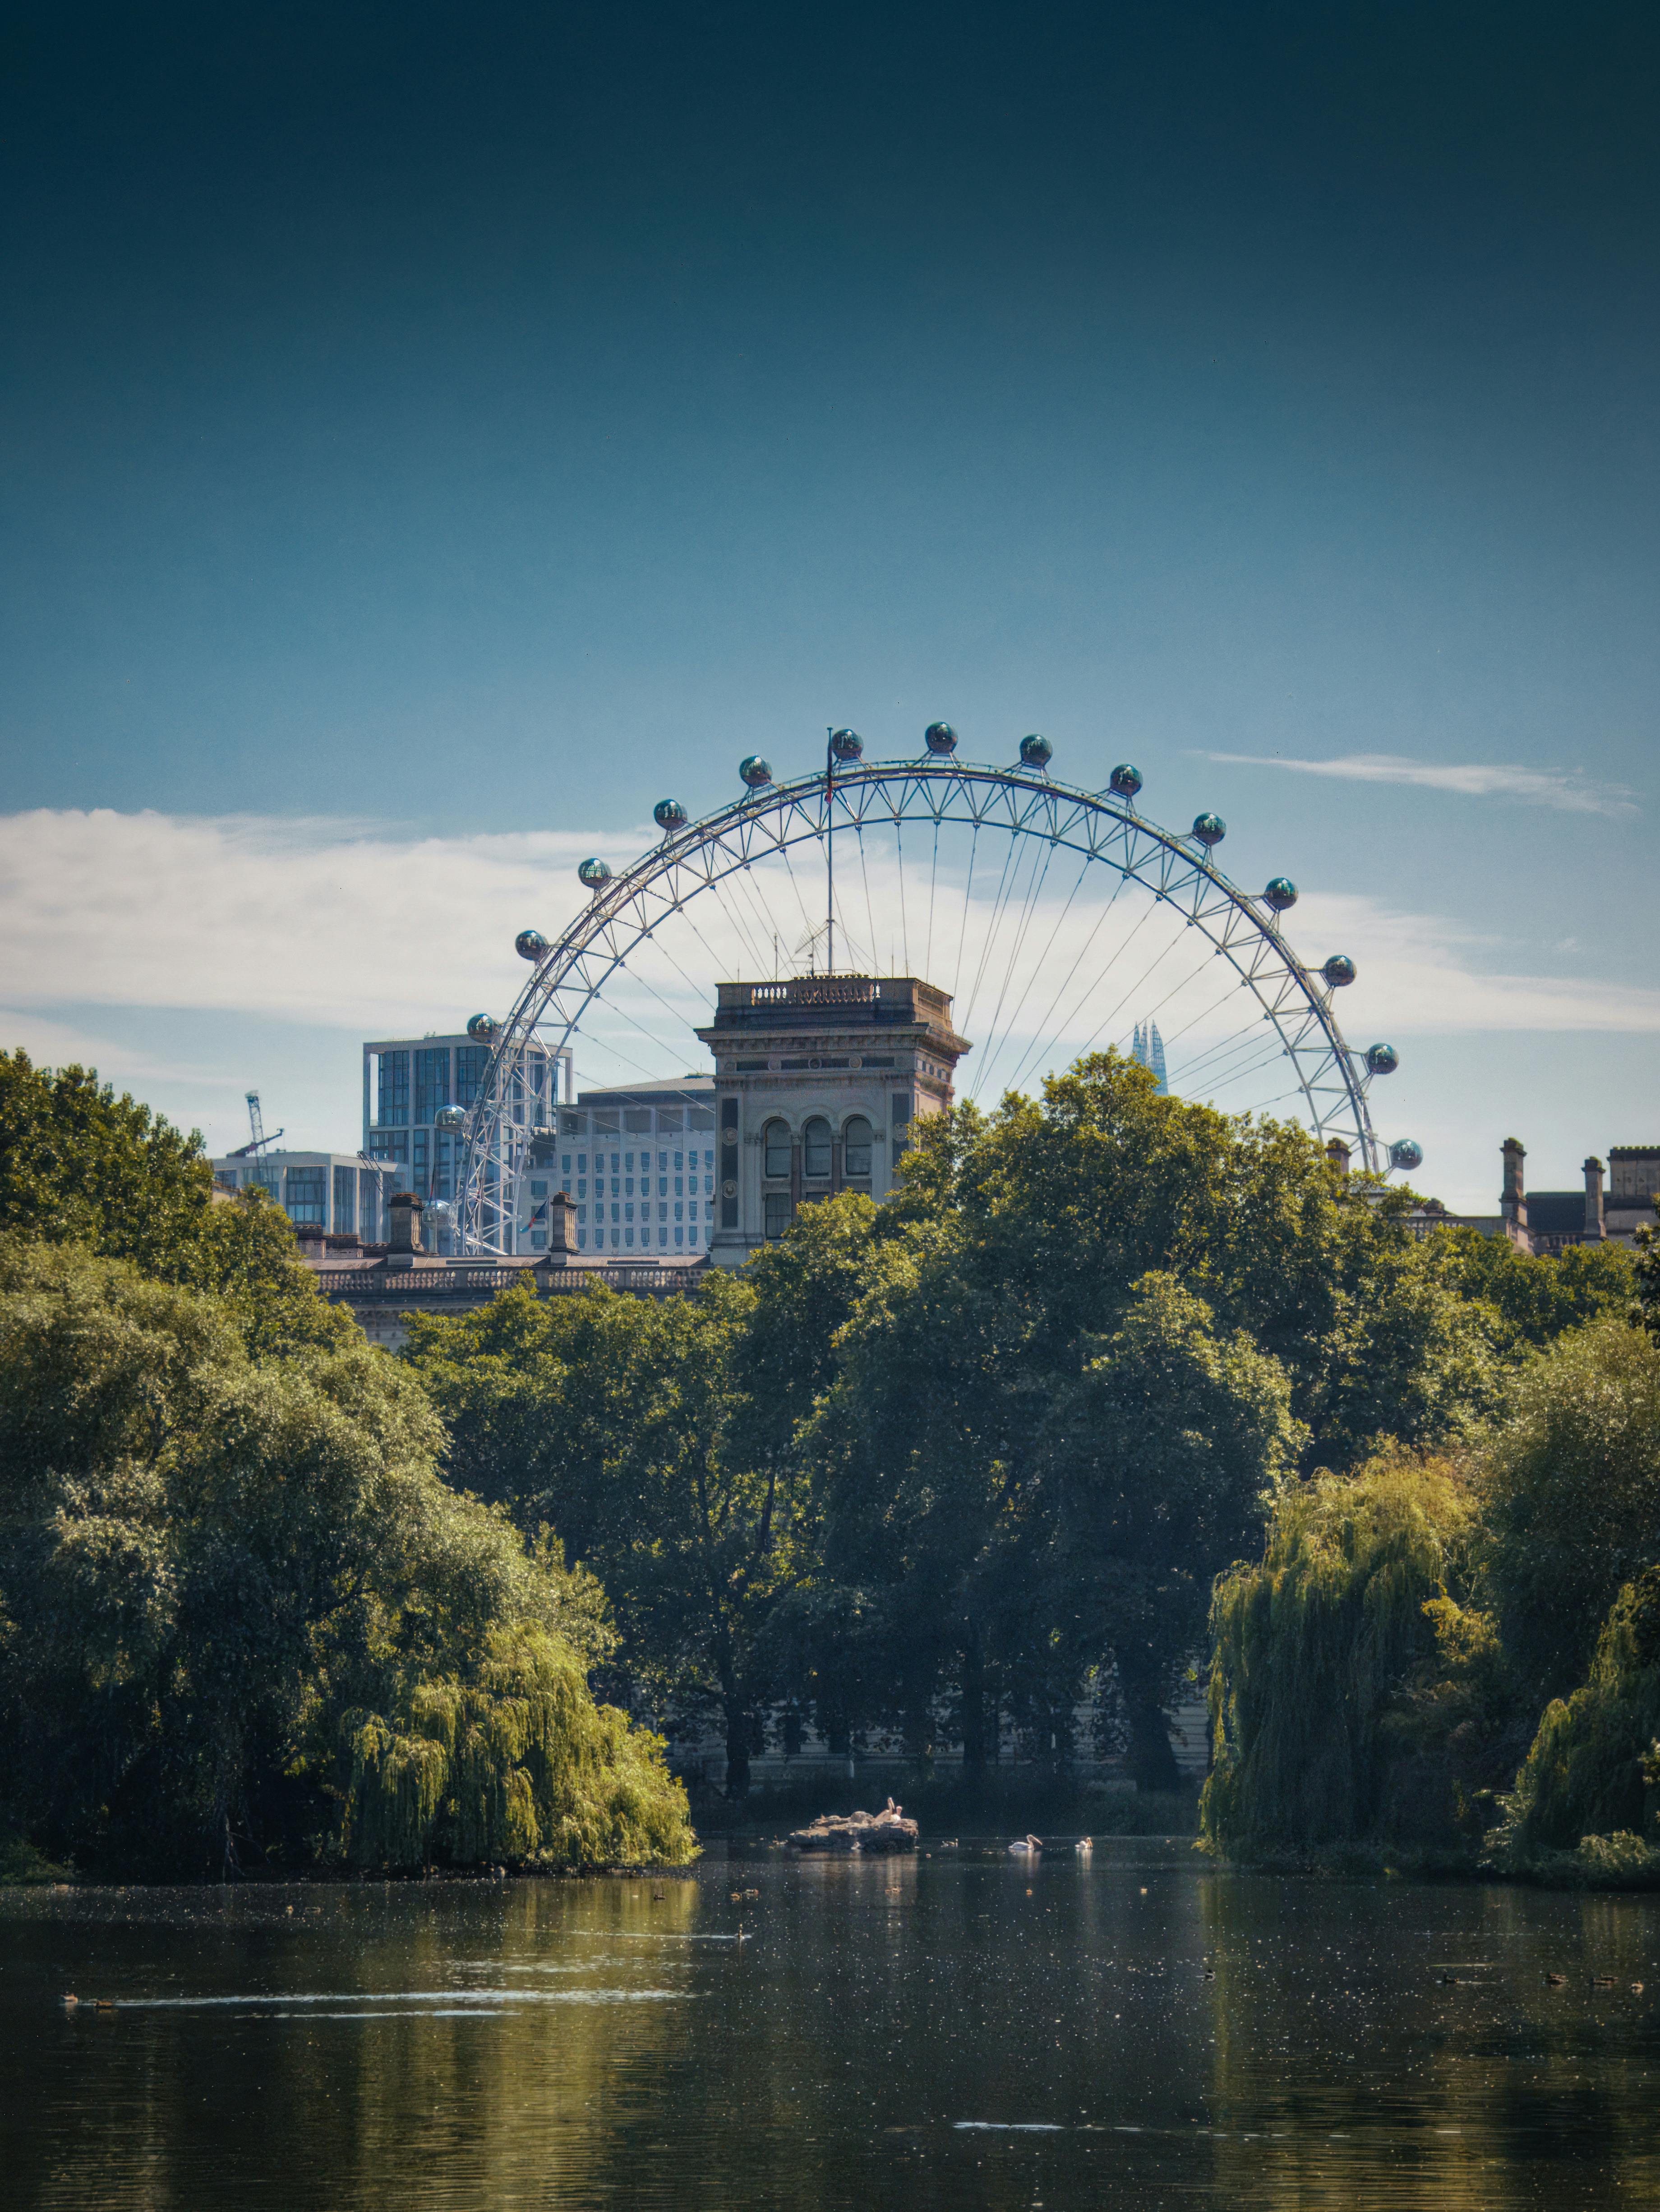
219	1578
1570	1486
79	1165
622	1422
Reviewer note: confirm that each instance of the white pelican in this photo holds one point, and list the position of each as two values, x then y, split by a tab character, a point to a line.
1027	1849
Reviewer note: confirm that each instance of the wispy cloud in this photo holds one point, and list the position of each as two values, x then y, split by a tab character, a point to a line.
1566	790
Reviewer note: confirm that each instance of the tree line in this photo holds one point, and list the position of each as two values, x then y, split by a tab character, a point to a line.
931	1466
1114	1389
244	1619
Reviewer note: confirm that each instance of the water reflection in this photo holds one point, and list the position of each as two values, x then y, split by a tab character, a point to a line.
954	2032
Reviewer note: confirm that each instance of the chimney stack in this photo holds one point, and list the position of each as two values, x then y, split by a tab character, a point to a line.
1339	1154
562	1241
1513	1205
1596	1227
403	1222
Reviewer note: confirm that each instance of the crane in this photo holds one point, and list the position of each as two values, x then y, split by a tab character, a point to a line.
256	1123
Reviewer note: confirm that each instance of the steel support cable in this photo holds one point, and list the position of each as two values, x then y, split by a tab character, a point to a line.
1243	1039
963	935
994	1038
1015	853
1181	984
1151	968
736	920
870	911
1214	1087
1102	974
1305	1025
934	874
1203	1013
1048	1039
1011	1033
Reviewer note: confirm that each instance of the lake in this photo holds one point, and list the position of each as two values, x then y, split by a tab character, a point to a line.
956	2031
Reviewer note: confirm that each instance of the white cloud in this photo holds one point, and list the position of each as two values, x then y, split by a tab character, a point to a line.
1569	792
311	921
1423	974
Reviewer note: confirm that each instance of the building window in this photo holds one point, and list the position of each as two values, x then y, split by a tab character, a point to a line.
345	1201
679	1236
539	1240
470	1061
393	1107
856	1147
777	1206
816	1150
627	1234
432	1081
776	1139
307	1196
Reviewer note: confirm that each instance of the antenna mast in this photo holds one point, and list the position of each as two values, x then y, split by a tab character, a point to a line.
830	852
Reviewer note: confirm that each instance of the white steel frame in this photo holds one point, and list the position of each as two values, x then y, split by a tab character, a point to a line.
1020	801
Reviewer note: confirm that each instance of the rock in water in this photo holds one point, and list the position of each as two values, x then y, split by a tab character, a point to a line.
865	1832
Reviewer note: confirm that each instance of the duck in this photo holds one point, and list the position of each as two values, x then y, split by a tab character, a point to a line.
1028	1848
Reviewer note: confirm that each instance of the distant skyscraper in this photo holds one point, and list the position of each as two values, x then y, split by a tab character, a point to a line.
1149	1052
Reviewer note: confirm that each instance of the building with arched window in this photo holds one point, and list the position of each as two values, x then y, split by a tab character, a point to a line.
818	1083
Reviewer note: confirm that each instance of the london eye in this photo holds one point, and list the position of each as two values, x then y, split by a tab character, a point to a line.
1058	920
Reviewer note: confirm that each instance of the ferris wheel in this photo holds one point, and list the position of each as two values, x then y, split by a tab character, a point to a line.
1060	919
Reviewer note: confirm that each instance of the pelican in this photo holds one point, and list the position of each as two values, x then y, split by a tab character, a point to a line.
1027	1849
1084	1846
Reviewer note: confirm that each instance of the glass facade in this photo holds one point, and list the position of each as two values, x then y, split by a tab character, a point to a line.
346	1201
307	1196
392	1098
432	1081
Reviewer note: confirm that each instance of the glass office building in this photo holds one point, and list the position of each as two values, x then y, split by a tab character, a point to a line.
407	1081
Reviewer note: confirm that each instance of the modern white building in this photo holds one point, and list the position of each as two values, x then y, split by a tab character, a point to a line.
406	1080
342	1194
638	1164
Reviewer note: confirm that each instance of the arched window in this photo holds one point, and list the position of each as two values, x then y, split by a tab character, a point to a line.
856	1141
776	1139
816	1150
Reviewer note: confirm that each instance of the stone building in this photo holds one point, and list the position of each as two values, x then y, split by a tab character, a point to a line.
1546	1222
817	1082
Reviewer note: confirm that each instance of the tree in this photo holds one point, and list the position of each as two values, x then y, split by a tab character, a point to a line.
1569	1485
1592	1773
214	1571
1312	1646
623	1422
1152	1465
79	1165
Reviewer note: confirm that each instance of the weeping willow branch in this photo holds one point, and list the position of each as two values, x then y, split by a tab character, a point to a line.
512	1760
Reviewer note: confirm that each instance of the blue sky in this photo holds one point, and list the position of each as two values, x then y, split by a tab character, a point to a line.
424	434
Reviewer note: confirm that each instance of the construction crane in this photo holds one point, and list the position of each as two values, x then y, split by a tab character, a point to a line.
256	1123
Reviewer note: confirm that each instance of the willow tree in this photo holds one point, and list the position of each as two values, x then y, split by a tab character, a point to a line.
216	1572
1312	1647
1593	1770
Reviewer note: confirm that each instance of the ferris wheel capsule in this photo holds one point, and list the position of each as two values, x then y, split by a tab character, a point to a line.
939	737
1125	779
1339	971
531	944
1209	828
1280	894
1382	1060
594	874
1406	1154
1036	752
481	1028
755	771
450	1117
845	744
669	815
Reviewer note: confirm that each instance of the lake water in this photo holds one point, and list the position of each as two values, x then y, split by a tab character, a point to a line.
951	2031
